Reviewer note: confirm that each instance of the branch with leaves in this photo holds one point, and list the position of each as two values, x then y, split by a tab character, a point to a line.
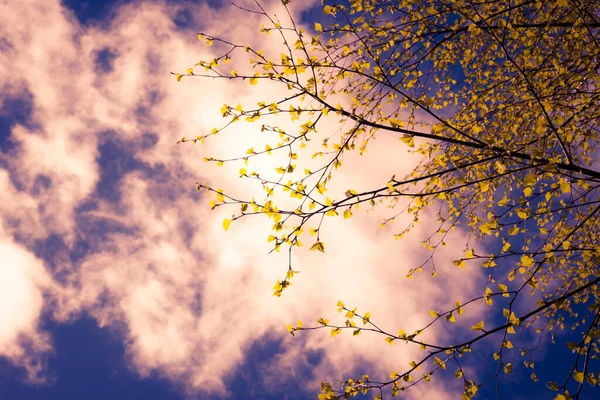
501	102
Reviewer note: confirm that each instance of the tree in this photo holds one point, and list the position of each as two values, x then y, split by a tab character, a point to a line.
501	101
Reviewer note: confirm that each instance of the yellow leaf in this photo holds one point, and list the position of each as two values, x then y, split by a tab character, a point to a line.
318	27
529	180
437	361
459	310
409	140
511	275
501	168
433	314
526	261
390	340
226	223
450	318
565	187
318	246
366	317
488	297
335	331
480	326
347	214
578	376
511	330
254	79
486	228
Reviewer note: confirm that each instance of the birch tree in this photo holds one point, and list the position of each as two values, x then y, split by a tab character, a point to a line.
501	102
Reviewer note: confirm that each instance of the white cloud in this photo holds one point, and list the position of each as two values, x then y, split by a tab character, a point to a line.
23	281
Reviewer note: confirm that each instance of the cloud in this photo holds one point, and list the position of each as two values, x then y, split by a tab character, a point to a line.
23	283
188	299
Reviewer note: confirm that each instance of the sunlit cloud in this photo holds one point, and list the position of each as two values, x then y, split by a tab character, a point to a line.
23	282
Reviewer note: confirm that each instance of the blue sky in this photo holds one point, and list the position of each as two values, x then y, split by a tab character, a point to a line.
96	188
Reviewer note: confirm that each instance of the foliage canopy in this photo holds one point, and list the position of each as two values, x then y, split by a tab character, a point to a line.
501	101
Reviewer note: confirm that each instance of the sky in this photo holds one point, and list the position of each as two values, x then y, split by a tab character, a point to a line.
117	280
